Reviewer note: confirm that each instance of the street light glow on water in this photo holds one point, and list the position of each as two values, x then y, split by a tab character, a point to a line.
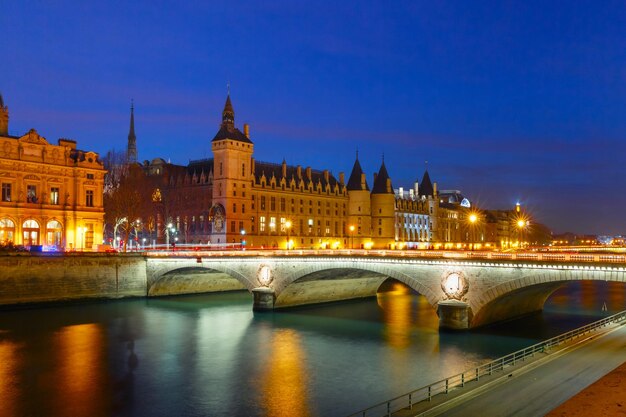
211	355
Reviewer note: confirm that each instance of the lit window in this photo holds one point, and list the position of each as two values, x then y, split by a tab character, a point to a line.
54	195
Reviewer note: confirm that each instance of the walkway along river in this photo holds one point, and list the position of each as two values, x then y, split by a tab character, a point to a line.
210	355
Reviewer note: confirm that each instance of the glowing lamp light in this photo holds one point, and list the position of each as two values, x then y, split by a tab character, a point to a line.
455	285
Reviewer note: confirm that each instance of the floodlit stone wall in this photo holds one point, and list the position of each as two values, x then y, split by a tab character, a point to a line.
26	278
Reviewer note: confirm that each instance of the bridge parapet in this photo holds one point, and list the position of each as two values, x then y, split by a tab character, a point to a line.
602	258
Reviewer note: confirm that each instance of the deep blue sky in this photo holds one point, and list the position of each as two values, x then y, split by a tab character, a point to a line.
507	101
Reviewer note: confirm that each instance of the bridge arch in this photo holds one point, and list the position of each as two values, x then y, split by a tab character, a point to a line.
527	294
190	279
326	281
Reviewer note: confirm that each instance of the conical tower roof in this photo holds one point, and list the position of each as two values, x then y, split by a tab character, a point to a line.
380	184
426	186
227	128
228	114
354	182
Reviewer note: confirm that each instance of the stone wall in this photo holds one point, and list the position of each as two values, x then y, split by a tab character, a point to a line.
32	278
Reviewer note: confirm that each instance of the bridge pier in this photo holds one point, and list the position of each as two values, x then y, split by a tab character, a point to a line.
453	314
264	298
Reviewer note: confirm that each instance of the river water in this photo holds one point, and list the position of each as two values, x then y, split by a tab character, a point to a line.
210	355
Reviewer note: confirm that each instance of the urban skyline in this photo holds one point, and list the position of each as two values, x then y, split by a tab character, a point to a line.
542	125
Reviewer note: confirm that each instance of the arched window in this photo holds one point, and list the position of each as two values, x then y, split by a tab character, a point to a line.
7	231
54	233
30	229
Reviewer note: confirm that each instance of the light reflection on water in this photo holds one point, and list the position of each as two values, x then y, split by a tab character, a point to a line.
9	385
77	380
209	355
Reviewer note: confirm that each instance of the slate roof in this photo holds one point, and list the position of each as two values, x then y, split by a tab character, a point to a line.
354	183
271	169
426	186
380	184
199	166
230	132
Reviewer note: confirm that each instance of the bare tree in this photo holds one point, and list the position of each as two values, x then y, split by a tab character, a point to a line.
115	162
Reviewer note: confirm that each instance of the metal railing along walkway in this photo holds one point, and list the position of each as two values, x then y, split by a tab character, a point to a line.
456	382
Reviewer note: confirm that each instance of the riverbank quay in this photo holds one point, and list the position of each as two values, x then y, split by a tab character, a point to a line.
604	398
56	277
530	387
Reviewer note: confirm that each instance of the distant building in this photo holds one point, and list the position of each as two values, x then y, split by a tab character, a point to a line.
51	194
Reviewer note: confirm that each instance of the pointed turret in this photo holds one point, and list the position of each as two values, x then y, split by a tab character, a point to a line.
227	128
383	209
131	151
426	186
382	183
4	118
228	114
357	179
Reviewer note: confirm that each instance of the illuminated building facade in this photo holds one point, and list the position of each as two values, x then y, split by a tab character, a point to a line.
51	194
233	199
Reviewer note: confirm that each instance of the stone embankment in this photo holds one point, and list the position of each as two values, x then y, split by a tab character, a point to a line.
34	278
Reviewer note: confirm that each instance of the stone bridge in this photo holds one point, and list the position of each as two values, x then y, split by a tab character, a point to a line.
466	293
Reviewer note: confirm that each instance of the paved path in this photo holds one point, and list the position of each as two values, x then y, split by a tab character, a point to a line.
604	398
540	390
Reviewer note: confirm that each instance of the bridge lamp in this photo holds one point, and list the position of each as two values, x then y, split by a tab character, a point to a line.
243	236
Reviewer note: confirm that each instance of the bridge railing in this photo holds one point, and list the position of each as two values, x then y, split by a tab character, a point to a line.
411	254
456	382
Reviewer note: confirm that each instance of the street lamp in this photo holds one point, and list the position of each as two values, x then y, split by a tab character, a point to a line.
521	224
288	227
169	229
243	236
473	218
351	228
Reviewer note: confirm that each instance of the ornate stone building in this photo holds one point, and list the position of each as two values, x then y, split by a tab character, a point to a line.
51	194
232	198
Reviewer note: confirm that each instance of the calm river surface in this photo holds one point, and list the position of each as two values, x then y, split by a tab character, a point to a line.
209	355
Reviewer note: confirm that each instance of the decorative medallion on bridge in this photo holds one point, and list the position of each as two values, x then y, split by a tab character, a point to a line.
454	284
264	275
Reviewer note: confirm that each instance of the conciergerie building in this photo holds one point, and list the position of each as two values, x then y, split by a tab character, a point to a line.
233	199
51	194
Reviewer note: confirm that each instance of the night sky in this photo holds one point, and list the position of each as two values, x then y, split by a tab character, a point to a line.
507	101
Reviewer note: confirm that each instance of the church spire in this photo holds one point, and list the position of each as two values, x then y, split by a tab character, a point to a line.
131	152
4	118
